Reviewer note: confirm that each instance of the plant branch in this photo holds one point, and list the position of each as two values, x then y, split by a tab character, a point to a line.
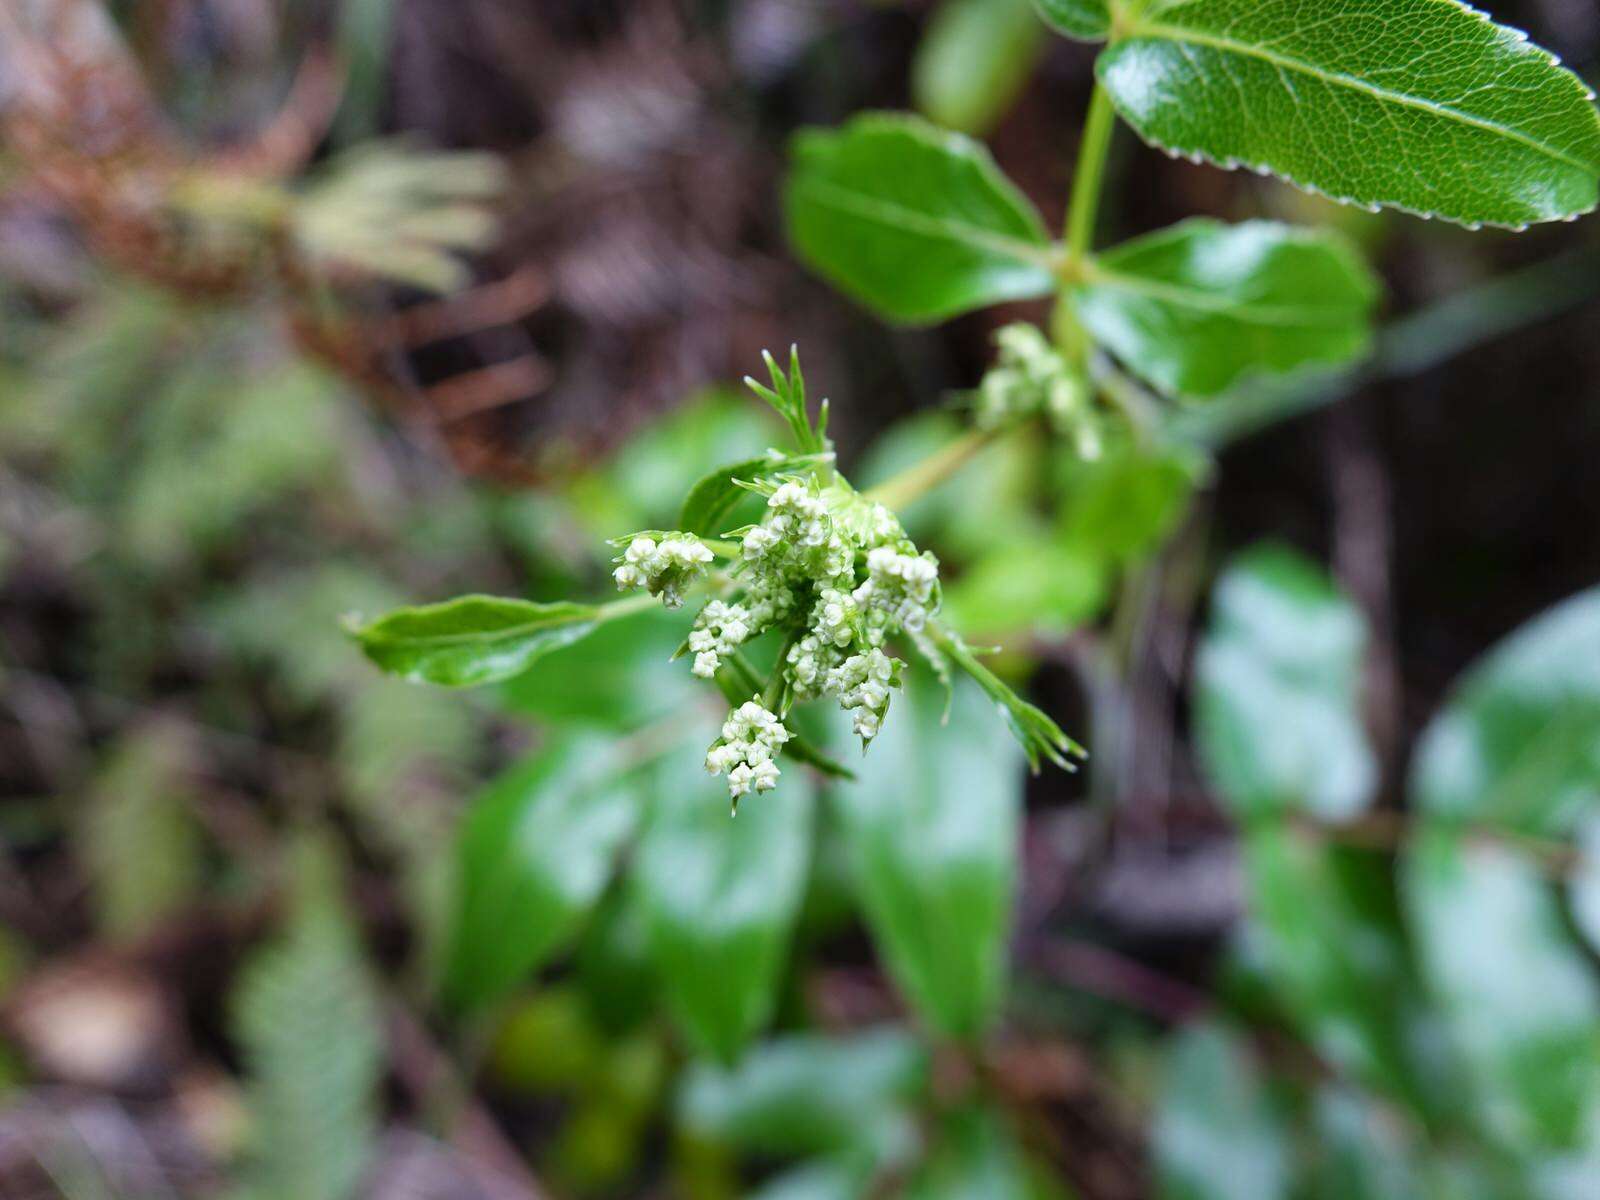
1088	178
922	477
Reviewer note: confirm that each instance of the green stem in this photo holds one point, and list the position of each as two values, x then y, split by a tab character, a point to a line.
922	477
1089	177
626	607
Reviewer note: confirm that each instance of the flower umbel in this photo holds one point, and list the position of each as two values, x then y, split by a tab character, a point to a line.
750	741
827	570
665	564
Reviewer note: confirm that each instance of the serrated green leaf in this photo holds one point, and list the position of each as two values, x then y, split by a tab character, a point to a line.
472	639
914	222
1217	1135
1197	308
309	1028
535	854
1421	105
1277	691
710	503
1518	744
810	1094
1521	1001
974	58
1086	20
932	829
720	894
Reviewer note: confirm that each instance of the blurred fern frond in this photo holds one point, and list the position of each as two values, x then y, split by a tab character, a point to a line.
399	213
308	1022
139	836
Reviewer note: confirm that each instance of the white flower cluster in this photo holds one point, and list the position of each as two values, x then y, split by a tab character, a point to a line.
1032	378
665	567
750	741
810	547
718	631
835	575
862	683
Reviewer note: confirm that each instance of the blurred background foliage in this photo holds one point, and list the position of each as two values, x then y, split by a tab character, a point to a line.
314	308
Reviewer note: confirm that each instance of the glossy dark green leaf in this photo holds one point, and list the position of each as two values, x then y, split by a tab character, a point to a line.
1197	308
471	639
1422	105
621	676
720	894
1517	743
614	969
932	826
1217	1135
1330	941
1278	691
712	501
1087	20
1522	1003
974	58
810	1094
915	222
535	854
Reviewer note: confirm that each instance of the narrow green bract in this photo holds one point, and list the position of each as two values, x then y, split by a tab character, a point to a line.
1421	105
916	223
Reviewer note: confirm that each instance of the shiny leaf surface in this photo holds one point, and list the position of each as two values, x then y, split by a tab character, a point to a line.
1523	1006
720	895
1422	105
535	854
914	222
932	826
471	639
1197	308
1277	691
810	1093
1518	744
